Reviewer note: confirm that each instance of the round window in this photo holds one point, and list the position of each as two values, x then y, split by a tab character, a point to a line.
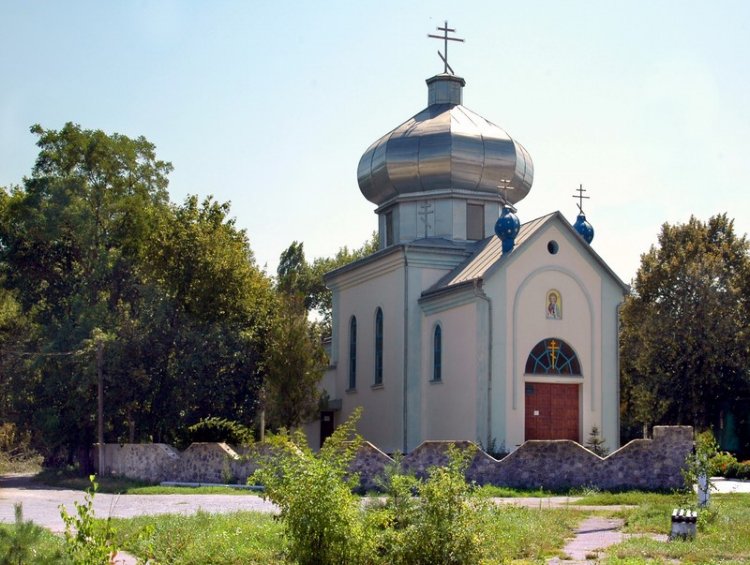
553	247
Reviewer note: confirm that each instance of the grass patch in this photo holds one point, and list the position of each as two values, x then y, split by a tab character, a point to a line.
73	480
240	537
25	542
517	533
492	491
511	533
723	533
46	547
157	489
631	498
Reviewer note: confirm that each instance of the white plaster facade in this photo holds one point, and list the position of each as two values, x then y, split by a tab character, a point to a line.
491	310
435	180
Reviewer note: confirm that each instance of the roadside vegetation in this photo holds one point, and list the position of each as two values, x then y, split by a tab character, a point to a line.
506	533
723	532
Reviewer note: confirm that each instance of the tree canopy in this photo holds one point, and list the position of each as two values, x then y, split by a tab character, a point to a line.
686	329
92	250
303	279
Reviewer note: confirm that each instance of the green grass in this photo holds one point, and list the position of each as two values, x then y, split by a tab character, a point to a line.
240	537
515	533
632	498
512	533
29	543
506	492
723	533
72	479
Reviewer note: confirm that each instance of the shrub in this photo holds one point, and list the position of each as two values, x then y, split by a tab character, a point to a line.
442	526
88	541
322	518
16	454
721	462
219	430
699	462
596	443
737	470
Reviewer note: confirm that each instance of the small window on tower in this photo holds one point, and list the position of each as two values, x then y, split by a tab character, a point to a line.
474	222
388	229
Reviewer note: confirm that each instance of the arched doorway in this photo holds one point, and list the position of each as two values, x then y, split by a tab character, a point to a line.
552	409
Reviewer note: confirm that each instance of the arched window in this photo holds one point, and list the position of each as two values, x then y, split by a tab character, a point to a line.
552	356
437	354
353	353
379	347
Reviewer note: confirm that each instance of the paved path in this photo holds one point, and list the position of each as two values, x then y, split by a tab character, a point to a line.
593	536
41	503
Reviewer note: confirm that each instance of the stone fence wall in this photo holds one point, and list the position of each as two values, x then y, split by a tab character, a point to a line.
649	464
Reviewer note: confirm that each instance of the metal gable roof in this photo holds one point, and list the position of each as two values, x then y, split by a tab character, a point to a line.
489	256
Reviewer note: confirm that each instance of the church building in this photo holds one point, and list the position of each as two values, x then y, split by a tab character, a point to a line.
466	324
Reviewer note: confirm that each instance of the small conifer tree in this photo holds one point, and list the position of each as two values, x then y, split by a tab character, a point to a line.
596	442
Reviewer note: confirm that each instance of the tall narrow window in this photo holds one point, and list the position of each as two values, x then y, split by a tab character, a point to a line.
437	355
379	347
353	353
388	229
474	222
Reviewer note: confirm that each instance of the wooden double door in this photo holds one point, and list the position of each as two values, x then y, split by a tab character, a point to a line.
552	411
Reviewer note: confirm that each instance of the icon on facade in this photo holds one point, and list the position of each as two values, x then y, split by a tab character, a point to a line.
554	305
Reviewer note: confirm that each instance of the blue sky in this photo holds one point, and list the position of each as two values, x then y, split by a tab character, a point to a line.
269	105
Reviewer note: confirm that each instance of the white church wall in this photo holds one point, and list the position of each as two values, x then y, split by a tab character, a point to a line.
381	420
359	293
611	299
449	410
578	280
422	275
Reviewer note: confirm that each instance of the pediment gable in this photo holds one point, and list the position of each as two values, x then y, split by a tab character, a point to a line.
488	257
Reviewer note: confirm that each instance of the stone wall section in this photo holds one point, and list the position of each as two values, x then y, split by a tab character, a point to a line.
648	464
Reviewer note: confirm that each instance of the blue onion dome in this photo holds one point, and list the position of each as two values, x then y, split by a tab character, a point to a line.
506	228
585	229
444	149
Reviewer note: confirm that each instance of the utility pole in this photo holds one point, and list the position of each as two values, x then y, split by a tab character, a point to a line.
100	402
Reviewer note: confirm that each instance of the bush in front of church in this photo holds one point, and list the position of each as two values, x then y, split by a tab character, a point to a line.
323	519
441	525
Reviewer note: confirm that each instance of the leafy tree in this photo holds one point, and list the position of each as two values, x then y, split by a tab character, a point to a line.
295	362
71	241
90	246
296	276
685	339
206	321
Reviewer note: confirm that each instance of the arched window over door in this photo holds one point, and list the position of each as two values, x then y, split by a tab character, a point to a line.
379	347
553	356
353	353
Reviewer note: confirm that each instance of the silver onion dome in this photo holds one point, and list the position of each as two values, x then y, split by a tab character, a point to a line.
444	148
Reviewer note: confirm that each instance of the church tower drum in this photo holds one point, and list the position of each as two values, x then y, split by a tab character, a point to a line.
442	172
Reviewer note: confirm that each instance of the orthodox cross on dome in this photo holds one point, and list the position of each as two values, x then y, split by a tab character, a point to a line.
504	187
581	197
445	39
